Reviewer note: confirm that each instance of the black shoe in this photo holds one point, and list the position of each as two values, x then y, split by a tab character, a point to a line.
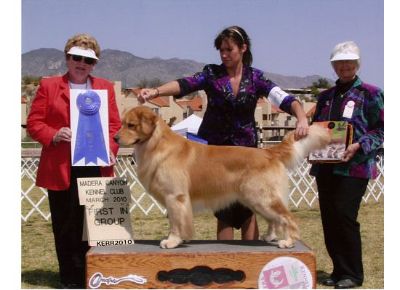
346	284
329	282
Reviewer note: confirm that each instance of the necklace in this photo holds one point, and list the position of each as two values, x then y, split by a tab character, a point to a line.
341	95
337	101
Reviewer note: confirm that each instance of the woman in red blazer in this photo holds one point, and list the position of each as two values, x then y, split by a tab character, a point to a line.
49	123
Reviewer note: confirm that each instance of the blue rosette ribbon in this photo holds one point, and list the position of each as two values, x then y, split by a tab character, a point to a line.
89	137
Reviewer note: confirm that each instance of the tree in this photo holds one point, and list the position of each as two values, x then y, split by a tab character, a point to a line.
318	86
321	83
27	80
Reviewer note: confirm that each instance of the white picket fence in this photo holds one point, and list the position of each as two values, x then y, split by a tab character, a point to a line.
303	192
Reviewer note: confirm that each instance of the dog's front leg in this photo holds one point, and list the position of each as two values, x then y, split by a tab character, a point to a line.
180	219
172	242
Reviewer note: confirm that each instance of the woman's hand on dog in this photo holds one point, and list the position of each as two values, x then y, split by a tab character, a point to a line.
147	94
301	130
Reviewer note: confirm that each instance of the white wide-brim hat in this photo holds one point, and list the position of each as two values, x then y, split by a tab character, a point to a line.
345	56
76	50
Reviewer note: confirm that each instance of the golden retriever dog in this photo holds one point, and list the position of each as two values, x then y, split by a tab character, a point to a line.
182	174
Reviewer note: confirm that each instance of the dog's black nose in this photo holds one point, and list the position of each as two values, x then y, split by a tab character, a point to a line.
116	138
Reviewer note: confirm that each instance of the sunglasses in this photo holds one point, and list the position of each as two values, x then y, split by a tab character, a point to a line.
87	60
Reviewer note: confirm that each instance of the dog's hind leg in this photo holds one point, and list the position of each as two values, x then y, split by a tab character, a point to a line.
180	217
278	217
290	231
271	233
287	223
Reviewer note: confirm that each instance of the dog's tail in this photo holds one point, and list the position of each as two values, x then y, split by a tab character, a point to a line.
292	152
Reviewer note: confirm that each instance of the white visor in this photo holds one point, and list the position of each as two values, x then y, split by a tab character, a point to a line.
345	56
75	50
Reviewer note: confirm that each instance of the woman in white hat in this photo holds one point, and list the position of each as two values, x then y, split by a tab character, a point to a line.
49	123
342	185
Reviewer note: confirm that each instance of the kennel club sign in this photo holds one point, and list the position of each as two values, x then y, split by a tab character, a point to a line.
107	218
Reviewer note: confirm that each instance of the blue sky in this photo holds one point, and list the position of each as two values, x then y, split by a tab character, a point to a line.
290	37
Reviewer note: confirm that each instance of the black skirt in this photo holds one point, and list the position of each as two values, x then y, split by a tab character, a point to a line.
234	215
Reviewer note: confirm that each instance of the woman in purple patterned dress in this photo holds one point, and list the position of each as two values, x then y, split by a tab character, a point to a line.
233	89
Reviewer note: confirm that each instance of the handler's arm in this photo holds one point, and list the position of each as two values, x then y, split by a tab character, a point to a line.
302	123
169	89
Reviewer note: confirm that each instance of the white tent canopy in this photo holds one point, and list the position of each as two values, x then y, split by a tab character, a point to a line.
191	124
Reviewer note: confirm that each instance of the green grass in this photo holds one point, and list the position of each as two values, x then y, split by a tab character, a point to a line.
39	263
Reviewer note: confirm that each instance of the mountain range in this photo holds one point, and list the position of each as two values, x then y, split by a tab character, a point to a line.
131	70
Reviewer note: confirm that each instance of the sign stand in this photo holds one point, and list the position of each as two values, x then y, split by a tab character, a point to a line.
107	218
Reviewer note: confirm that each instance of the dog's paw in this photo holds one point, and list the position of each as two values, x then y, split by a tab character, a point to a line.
269	238
170	243
284	244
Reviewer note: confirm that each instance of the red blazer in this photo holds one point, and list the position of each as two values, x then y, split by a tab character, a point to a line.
49	112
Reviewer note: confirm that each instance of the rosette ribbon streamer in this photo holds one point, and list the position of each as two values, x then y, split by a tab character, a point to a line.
89	137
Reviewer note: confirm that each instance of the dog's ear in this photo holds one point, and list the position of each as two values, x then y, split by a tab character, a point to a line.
148	122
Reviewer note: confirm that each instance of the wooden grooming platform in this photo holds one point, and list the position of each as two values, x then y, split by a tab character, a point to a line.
201	264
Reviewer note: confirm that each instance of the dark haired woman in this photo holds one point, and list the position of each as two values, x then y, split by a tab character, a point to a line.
232	89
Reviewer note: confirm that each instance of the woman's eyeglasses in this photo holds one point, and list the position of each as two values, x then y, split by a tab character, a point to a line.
87	60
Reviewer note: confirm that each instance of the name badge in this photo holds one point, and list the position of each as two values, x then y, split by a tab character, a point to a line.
348	110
